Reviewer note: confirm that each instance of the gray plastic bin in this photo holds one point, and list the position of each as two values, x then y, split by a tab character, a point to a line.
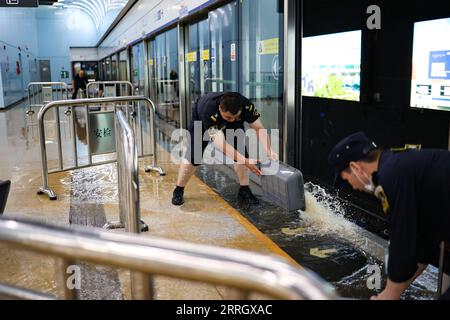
283	187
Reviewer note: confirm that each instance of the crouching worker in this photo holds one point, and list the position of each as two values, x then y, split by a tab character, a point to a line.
214	113
414	189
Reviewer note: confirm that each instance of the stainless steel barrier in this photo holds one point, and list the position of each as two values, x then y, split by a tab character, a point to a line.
85	103
81	94
120	89
443	279
244	271
128	178
41	93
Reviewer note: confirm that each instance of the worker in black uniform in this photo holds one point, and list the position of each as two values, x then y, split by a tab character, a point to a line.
414	189
215	113
79	82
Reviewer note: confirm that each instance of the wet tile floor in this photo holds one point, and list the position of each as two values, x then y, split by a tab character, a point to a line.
319	239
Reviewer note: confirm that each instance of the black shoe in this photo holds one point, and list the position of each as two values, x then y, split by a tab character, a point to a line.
177	199
247	198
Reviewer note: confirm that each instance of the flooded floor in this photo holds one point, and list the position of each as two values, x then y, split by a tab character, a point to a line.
89	197
319	239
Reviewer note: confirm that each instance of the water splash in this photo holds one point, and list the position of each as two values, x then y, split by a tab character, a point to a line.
324	214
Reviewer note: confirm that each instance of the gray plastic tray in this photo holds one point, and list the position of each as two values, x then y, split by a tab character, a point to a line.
283	187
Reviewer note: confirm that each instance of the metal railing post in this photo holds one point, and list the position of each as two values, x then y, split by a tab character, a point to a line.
154	166
245	272
44	165
128	178
116	84
74	104
62	265
142	286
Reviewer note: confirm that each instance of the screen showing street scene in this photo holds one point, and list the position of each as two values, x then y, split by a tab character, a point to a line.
332	66
431	65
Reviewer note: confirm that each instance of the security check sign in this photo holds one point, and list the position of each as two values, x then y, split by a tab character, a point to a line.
102	139
19	3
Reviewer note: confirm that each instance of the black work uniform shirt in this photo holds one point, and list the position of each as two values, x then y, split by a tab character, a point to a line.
80	82
415	193
207	111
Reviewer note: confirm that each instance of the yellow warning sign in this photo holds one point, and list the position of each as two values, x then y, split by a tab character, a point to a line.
150	62
191	56
269	46
205	55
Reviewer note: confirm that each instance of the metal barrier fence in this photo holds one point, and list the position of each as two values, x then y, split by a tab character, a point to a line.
128	178
86	103
443	279
41	93
110	89
244	271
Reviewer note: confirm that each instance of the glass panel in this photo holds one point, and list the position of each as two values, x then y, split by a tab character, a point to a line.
166	80
198	61
137	67
262	60
151	69
123	74
108	69
90	68
223	24
114	66
205	54
103	70
193	62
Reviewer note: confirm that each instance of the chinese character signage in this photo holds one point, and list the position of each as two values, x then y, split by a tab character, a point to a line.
102	136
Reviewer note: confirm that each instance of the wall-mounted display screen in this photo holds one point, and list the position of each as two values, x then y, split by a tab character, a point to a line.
430	87
331	66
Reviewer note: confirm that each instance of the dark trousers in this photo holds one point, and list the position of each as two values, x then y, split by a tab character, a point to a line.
75	92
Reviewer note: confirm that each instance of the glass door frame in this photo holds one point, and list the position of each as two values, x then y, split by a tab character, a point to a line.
185	85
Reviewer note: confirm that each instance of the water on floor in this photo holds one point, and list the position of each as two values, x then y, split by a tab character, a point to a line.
321	238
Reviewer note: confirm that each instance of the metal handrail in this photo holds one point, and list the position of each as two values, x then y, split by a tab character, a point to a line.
441	287
167	81
219	80
246	271
85	103
128	178
121	84
36	100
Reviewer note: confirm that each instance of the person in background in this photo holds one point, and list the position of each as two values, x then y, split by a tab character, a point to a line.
79	82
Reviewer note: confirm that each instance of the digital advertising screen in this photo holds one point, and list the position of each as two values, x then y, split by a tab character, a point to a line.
430	85
331	66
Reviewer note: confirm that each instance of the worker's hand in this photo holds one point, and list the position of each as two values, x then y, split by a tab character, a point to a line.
385	295
273	156
251	164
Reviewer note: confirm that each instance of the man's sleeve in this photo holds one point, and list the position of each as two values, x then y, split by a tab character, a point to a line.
250	113
210	123
402	264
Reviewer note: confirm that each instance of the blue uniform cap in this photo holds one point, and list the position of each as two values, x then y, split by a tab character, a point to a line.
352	148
